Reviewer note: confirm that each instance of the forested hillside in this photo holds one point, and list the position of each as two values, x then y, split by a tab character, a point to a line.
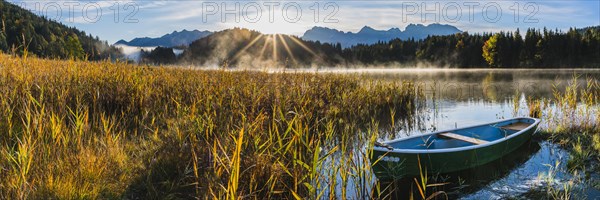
537	49
579	48
246	48
22	31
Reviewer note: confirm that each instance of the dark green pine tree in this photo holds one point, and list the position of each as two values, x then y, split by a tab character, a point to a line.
3	44
518	49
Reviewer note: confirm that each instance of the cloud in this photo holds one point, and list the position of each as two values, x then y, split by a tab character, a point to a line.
160	17
176	11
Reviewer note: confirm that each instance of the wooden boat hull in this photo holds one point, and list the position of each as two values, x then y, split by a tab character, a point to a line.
394	164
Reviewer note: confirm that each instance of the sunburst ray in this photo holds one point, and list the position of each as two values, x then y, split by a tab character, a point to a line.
262	51
287	48
247	46
274	38
304	46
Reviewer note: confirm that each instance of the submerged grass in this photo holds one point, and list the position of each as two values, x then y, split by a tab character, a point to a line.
572	119
82	130
575	120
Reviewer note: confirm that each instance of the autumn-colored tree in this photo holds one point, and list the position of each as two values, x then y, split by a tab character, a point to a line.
490	50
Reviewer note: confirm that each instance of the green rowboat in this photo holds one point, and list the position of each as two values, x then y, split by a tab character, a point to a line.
450	150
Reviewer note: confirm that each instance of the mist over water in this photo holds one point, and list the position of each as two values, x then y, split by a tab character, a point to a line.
134	53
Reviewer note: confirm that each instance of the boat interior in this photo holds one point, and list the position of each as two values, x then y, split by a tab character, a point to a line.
465	137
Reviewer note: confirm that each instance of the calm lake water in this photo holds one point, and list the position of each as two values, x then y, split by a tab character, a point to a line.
459	98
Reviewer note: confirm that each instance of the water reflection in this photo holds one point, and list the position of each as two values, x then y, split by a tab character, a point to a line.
457	98
488	84
463	182
523	172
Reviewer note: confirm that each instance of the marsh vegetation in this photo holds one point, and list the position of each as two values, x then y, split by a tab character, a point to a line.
88	130
79	130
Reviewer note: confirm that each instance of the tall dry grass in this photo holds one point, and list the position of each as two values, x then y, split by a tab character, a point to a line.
82	130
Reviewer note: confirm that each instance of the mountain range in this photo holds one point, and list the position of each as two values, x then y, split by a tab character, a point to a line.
173	39
368	35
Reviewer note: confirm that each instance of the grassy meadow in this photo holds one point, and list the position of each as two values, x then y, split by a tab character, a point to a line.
102	130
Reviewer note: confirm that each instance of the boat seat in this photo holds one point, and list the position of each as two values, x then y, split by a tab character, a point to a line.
516	126
463	138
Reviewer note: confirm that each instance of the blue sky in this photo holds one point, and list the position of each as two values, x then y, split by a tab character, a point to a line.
156	18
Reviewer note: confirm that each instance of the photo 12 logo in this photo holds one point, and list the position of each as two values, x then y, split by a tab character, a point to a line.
451	12
253	12
84	12
329	12
293	11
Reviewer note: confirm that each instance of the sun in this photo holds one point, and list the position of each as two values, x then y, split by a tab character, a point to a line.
273	43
